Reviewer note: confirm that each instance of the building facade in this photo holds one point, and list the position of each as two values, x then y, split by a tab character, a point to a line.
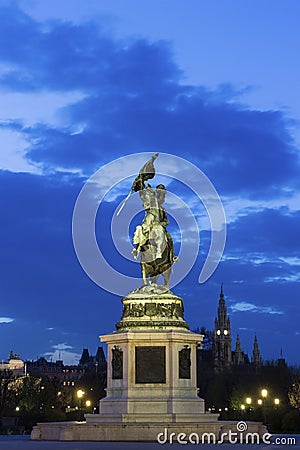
13	368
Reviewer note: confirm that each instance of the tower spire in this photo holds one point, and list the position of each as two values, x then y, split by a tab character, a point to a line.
239	357
256	358
222	336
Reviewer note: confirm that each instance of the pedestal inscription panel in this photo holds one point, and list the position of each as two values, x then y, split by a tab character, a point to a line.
150	364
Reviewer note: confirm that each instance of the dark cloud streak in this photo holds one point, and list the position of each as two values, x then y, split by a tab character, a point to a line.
134	100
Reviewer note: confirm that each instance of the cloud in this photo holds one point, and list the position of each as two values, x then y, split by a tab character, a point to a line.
75	56
132	98
74	98
237	206
62	352
63	346
13	149
45	106
294	278
265	235
250	307
6	320
292	261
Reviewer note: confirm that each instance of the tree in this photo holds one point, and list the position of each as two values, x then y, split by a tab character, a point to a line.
294	394
7	396
207	342
27	391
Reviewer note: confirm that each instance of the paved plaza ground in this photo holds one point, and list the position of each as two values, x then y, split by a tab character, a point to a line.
24	443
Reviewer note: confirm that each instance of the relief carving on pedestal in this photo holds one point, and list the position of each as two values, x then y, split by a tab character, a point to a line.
117	363
169	310
185	363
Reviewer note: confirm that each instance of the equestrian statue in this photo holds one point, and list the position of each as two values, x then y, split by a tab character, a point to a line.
153	243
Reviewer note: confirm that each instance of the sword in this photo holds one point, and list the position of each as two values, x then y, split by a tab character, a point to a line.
124	201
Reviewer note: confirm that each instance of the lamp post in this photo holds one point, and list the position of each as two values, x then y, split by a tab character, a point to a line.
248	402
88	404
263	402
264	394
80	393
243	407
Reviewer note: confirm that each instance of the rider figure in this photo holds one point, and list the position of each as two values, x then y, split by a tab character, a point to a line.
154	225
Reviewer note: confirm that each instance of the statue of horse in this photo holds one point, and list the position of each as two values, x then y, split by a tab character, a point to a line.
155	246
156	255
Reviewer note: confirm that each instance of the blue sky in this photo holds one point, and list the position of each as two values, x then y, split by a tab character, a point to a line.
83	83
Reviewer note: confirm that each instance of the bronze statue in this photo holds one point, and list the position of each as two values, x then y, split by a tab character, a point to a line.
13	355
153	243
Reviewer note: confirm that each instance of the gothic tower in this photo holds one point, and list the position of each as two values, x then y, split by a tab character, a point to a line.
222	337
239	357
256	358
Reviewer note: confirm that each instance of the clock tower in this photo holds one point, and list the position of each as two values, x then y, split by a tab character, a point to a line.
222	337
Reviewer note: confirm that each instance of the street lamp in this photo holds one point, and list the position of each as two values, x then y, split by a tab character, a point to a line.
88	403
248	400
276	401
259	401
80	393
264	394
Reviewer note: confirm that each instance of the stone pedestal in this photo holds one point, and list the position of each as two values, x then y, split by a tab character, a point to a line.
151	378
151	373
157	381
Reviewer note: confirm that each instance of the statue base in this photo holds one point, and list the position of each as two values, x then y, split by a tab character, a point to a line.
151	379
152	307
158	380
